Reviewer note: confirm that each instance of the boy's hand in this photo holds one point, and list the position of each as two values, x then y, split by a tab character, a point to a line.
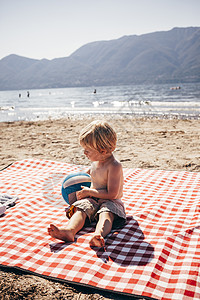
84	193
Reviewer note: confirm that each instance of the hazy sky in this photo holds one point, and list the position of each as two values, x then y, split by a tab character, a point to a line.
56	28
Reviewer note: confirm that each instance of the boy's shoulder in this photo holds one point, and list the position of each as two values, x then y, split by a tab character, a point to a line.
116	163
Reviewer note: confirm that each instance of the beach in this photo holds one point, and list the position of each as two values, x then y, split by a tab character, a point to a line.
142	143
164	144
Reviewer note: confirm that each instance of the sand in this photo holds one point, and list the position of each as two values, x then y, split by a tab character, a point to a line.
142	143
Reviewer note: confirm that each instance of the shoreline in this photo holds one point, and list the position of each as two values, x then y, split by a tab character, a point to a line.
106	113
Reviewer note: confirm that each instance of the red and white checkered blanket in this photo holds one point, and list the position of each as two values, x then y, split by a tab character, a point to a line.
156	254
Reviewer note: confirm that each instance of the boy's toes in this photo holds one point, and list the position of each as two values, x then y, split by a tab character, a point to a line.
97	241
52	230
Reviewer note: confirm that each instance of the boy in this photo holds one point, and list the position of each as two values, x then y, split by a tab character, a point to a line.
102	201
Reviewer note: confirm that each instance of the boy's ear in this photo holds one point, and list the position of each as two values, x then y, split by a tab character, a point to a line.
103	151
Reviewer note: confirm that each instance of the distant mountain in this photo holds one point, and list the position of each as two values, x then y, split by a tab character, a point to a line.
160	57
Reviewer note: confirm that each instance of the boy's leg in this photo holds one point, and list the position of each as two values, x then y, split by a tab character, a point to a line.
67	234
103	228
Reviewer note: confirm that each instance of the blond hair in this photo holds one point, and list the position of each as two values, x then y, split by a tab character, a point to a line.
98	135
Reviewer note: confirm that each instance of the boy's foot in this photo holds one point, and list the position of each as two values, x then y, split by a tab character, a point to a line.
97	241
61	234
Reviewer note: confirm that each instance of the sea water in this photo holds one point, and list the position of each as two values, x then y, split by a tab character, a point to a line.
163	100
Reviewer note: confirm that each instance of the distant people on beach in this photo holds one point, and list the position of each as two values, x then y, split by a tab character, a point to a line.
28	94
175	88
19	95
95	91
